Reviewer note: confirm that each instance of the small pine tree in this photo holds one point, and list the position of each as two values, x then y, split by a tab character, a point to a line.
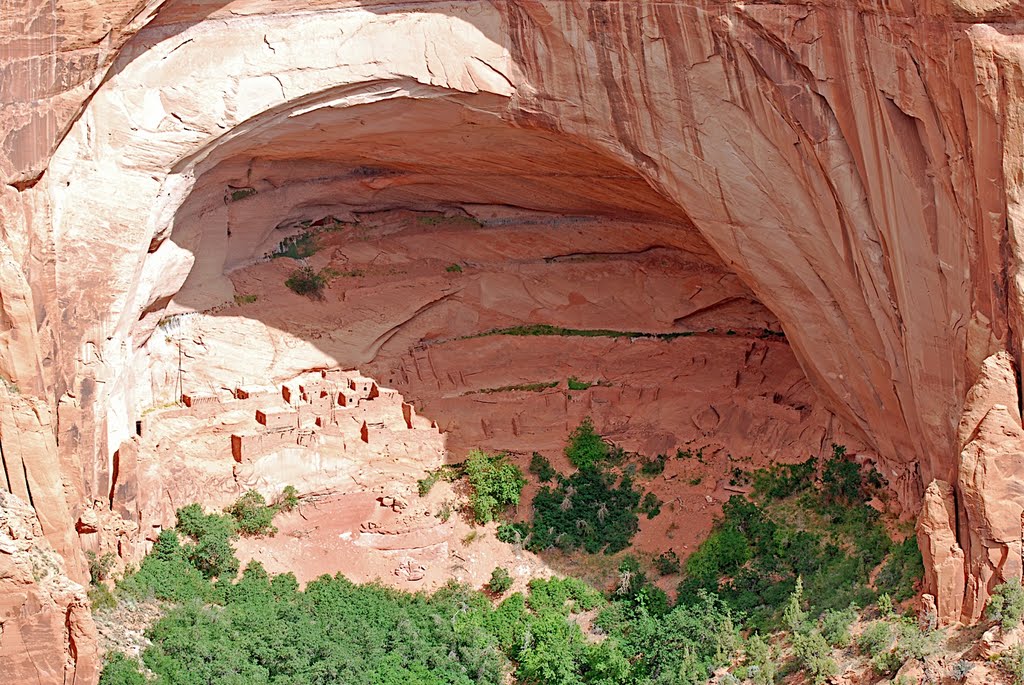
794	616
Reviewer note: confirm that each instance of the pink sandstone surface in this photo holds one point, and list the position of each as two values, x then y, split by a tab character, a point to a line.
850	169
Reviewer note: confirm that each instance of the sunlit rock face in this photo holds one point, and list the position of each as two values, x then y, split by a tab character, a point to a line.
856	165
48	632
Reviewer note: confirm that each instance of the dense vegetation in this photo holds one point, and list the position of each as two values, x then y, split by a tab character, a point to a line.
595	508
825	534
264	630
794	562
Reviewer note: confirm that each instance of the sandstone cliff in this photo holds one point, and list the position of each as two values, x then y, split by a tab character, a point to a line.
47	633
856	163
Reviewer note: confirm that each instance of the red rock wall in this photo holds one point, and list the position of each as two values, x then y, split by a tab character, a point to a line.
858	164
48	635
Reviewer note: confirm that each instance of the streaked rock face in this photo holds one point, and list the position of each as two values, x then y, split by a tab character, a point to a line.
856	164
48	633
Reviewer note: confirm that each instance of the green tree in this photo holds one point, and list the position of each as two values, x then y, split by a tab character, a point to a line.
794	616
500	581
289	498
814	654
1007	604
252	515
586	448
542	468
306	281
119	669
166	573
761	662
495	483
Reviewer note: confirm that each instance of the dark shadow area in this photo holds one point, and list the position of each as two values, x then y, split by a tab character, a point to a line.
506	280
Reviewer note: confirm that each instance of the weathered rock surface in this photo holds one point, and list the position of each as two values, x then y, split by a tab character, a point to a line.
943	557
47	633
992	501
856	164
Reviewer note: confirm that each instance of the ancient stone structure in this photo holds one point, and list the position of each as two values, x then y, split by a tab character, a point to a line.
857	163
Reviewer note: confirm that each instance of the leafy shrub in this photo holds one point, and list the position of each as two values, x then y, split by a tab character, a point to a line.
576	384
653	467
814	655
835	625
784	480
513	533
496	483
566	595
237	194
119	669
959	670
684	646
1006	604
631	577
651	505
306	281
667	563
453	269
289	498
252	515
500	582
298	246
721	554
841	479
167	573
885	606
426	484
448	472
1012	660
875	639
542	468
586	448
909	643
99	567
902	570
101	598
212	553
634	588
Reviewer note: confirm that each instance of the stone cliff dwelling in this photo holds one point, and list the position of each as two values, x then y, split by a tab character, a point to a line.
336	245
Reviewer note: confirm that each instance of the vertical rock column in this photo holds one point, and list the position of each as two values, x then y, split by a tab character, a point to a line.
971	538
991	491
943	556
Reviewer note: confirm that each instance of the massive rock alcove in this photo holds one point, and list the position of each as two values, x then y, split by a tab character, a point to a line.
854	166
444	224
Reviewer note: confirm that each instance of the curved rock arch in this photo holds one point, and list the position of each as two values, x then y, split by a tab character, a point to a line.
820	151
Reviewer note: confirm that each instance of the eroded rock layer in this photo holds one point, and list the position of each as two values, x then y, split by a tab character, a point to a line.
47	633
